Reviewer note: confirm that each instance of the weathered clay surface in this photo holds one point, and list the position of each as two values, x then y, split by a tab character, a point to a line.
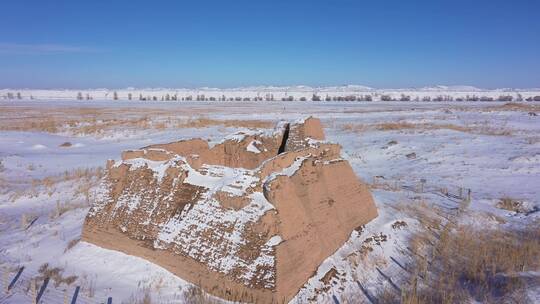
248	219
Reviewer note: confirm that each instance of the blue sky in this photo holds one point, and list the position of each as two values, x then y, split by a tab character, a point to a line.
82	44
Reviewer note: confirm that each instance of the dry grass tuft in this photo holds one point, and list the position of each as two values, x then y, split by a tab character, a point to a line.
390	126
143	296
84	179
195	295
355	128
201	122
465	264
55	274
510	204
479	128
72	244
103	121
453	263
515	106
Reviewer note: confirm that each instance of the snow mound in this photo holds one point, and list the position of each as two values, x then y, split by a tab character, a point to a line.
38	147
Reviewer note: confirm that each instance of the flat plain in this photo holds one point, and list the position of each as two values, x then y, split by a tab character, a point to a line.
454	183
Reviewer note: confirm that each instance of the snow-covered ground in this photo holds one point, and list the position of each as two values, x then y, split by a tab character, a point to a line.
407	151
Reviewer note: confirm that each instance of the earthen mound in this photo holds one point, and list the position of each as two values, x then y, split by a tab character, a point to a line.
248	219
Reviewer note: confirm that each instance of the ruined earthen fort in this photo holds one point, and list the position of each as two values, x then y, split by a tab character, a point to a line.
250	218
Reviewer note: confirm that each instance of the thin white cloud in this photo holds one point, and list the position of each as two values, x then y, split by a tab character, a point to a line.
18	48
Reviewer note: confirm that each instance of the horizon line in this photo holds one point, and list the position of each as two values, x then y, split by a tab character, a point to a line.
355	87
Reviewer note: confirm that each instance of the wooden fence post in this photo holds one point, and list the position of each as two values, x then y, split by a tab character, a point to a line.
15	279
33	291
444	191
75	295
24	221
42	289
371	299
5	279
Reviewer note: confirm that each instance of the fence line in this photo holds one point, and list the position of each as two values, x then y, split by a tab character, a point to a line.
456	194
395	273
25	285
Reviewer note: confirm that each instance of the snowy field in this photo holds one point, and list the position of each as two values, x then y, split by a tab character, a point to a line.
421	159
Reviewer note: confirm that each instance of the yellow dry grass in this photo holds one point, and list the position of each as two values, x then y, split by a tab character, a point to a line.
55	274
201	122
480	128
83	179
510	204
453	263
516	106
98	121
465	263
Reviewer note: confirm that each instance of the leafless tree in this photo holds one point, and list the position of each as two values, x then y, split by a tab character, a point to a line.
405	97
505	98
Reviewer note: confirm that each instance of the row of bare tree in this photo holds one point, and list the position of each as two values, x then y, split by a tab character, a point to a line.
314	97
